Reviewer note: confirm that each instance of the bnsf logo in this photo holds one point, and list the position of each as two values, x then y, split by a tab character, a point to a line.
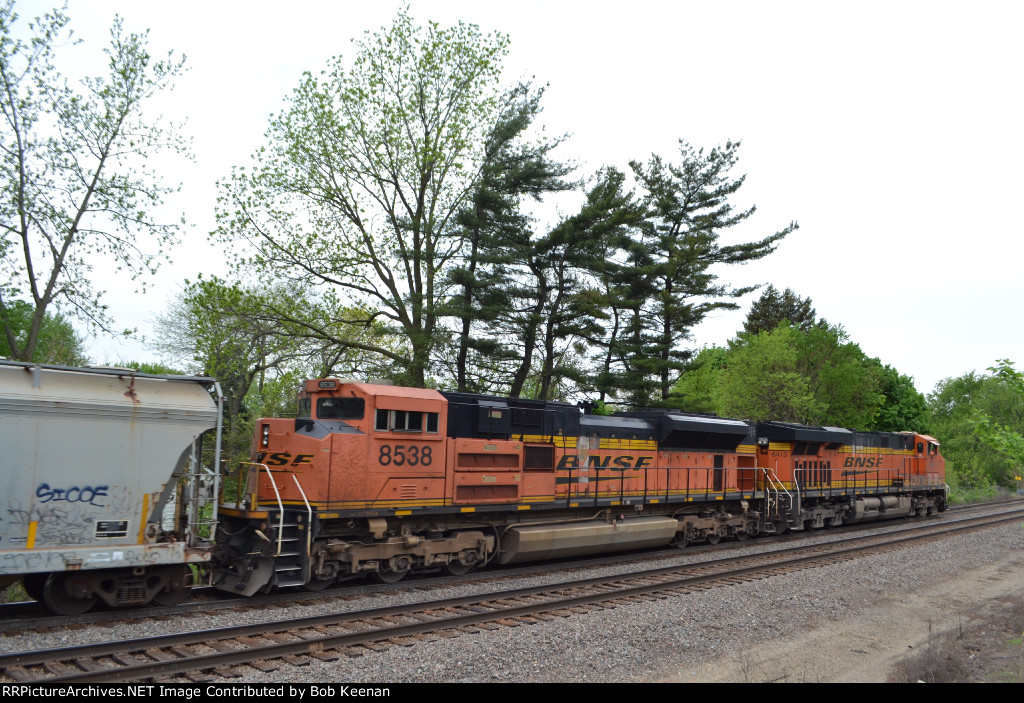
571	461
862	462
283	458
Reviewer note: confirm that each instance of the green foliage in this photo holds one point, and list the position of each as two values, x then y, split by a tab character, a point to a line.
57	341
763	380
15	593
74	176
903	409
153	367
845	384
256	341
365	173
560	307
397	180
964	495
980	419
814	376
697	389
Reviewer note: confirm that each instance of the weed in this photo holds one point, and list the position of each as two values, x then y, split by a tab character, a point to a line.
941	660
15	593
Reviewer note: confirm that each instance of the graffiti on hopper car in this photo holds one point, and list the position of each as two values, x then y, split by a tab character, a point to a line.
74	494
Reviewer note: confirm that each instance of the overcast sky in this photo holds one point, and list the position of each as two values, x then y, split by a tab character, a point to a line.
891	131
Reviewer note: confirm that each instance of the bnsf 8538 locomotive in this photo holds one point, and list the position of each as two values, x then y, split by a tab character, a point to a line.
383	480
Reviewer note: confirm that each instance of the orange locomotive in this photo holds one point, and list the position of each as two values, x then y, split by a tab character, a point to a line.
385	480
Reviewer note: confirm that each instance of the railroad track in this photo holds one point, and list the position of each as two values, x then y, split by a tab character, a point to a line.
26	616
263	646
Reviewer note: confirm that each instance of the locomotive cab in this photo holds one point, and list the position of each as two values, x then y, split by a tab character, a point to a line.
329	491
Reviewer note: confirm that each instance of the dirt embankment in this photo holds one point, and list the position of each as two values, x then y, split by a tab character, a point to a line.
967	626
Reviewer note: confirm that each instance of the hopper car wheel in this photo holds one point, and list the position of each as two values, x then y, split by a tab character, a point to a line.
741	536
390	576
171	597
58	598
714	539
33	584
176	591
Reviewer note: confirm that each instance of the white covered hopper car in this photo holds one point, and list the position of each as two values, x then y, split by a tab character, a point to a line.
103	496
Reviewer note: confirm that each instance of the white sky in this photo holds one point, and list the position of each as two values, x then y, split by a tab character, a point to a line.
891	131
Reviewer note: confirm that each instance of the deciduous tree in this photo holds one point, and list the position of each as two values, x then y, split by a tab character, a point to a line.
365	171
57	342
979	418
762	380
74	177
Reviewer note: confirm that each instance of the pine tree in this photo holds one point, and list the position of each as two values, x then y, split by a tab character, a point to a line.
688	209
496	230
773	307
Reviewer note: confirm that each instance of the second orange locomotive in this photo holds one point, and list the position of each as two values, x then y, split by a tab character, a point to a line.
385	480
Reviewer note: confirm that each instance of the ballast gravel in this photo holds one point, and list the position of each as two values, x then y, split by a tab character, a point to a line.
723	633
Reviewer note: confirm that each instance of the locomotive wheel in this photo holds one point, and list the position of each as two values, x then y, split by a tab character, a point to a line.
681	540
390	576
33	585
458	568
316	584
58	598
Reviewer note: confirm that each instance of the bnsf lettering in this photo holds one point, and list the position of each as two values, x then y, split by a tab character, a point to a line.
283	458
622	462
862	462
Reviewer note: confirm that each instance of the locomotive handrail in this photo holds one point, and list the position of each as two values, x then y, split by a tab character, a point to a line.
280	510
309	521
773	483
280	504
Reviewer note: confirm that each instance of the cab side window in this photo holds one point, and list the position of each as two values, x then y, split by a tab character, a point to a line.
405	421
340	408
